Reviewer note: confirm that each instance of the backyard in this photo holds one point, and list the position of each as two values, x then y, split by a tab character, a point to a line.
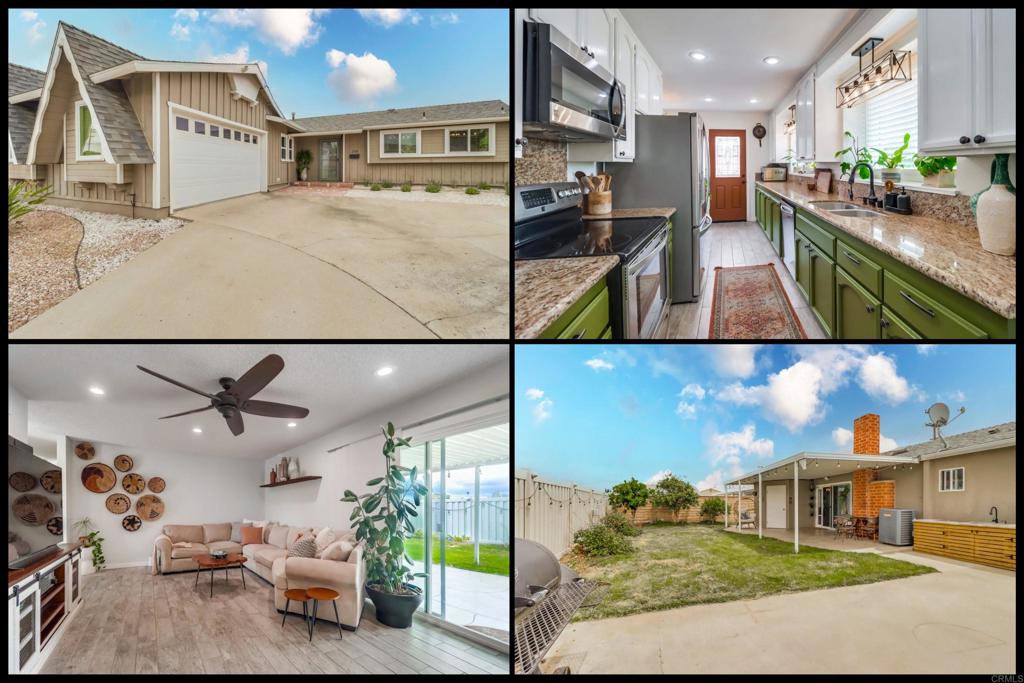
680	565
493	558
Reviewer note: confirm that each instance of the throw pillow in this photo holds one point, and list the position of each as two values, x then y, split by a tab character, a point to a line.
338	551
236	530
252	534
304	547
278	536
324	538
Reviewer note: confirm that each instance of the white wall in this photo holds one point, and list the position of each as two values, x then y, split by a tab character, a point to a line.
17	414
757	156
317	503
200	489
37	537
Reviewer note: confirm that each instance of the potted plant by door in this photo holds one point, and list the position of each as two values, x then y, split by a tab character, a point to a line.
936	171
302	161
91	539
891	163
383	520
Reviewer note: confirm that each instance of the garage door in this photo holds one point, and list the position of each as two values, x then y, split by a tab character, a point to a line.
211	161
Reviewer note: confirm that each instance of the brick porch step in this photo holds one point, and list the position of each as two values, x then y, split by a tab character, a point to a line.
313	183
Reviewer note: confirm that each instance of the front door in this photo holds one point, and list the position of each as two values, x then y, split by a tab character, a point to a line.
775	506
728	175
330	160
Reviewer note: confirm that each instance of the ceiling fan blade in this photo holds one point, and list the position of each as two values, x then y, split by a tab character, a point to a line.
176	382
187	412
257	377
270	409
234	420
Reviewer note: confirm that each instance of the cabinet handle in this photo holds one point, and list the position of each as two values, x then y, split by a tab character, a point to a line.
622	153
885	323
851	257
978	139
581	334
964	139
871	309
924	308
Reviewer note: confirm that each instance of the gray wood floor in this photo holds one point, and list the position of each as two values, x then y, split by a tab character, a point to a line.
132	622
734	244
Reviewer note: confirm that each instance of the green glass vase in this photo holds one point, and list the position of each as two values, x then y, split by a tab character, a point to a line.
1000	170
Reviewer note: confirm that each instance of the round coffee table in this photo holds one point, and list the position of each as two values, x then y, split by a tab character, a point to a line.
300	595
318	594
212	563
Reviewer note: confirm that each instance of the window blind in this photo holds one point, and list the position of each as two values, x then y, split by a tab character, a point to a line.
889	116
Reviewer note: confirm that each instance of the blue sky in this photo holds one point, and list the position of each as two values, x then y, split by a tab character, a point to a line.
597	415
318	62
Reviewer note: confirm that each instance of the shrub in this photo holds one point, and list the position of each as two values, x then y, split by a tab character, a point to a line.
484	186
620	524
600	541
406	187
629	494
22	198
375	187
674	493
433	187
387	184
472	190
712	507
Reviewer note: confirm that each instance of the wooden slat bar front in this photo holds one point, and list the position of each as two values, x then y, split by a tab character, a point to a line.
989	545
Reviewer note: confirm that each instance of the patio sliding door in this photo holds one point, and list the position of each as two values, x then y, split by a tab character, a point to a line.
831	500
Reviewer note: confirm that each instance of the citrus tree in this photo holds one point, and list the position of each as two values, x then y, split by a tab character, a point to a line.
630	495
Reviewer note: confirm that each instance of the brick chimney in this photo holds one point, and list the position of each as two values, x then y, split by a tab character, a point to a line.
866	429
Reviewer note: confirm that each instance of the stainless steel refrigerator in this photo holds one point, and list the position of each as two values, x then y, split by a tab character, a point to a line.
672	168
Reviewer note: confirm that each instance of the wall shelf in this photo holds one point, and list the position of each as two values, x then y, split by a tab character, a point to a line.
289	481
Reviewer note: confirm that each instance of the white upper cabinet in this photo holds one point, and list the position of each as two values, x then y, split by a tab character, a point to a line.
805	119
565	20
598	35
656	105
967	89
643	81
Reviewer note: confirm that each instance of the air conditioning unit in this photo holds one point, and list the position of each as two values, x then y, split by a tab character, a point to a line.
896	526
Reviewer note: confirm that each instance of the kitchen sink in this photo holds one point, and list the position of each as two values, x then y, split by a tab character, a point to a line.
856	213
832	206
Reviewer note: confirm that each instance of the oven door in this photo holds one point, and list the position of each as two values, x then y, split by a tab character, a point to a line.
566	92
646	289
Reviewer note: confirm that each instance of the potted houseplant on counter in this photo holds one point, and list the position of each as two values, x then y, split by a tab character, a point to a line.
936	171
383	520
302	161
891	163
91	538
858	153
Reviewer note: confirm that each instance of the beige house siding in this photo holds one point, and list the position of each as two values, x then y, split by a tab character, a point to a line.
279	173
140	93
23	171
431	141
51	137
909	493
501	144
989	479
83	171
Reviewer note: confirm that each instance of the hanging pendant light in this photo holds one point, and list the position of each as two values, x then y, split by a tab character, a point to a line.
881	74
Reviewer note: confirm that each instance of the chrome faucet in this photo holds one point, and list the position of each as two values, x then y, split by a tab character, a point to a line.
871	198
994	510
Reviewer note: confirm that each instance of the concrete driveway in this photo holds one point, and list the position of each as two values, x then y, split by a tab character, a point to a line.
961	619
304	266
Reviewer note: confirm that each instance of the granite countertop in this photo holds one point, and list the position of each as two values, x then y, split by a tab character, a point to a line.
946	521
661	212
945	252
546	288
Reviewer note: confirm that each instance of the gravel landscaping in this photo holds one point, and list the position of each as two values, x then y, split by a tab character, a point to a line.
41	251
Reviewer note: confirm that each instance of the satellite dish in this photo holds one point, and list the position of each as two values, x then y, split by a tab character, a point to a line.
939	414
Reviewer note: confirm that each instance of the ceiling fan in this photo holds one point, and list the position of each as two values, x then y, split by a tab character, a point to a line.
236	396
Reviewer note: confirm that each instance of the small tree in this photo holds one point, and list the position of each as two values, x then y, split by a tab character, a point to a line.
712	507
630	495
675	494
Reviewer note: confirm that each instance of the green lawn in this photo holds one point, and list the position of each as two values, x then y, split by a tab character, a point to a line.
689	564
493	558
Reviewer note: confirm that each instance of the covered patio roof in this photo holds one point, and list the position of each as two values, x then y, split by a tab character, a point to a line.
811	465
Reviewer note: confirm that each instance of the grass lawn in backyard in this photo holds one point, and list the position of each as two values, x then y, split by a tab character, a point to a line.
689	564
493	557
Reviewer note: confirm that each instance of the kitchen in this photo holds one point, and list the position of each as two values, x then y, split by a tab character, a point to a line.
686	173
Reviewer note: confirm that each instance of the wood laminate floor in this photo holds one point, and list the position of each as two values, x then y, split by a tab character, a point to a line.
734	244
132	622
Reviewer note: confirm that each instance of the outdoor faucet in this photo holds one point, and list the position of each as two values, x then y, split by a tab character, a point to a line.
994	510
871	198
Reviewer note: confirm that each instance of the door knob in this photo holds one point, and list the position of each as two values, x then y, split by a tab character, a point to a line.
521	142
978	139
964	139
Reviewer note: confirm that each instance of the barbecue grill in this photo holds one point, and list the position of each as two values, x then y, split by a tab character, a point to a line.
547	594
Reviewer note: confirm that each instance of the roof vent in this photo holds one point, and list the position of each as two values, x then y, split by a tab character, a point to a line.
392	110
293	116
902	450
994	430
424	114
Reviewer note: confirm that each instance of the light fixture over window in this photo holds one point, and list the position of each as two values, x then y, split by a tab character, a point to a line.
883	73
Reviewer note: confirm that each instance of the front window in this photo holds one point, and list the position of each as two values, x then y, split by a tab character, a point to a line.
399	144
470	140
89	147
291	149
951	479
284	148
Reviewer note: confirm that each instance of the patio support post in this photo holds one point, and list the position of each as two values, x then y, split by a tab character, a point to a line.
796	506
739	507
725	496
759	499
476	515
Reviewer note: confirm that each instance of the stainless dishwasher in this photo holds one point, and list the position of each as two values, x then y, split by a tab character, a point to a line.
788	238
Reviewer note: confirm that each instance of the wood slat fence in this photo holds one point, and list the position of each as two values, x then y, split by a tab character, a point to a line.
550	512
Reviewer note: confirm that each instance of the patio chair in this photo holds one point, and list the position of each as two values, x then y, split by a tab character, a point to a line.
844	526
747	519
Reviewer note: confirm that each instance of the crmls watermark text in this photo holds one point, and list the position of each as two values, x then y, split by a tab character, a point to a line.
1007	679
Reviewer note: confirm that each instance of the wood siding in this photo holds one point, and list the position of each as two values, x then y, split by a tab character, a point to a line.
83	171
279	172
140	93
501	142
23	171
990	545
62	93
431	141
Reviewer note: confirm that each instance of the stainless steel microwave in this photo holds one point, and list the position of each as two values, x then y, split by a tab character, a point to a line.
567	95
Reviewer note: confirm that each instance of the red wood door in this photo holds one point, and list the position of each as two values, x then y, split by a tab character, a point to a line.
728	175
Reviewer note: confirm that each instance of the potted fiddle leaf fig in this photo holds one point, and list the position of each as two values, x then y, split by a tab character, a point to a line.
383	520
891	163
302	161
936	171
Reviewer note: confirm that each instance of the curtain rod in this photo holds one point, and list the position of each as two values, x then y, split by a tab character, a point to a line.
412	425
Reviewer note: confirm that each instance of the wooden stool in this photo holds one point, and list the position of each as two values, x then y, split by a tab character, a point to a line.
318	594
297	594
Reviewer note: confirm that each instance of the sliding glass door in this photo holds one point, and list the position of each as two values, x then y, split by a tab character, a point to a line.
463	526
832	500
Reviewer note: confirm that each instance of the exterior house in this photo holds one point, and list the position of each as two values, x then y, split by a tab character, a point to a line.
953	478
110	130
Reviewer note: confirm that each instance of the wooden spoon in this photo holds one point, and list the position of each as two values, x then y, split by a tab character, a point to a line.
580	178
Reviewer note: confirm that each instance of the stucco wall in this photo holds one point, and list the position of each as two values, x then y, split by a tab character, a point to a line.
989	479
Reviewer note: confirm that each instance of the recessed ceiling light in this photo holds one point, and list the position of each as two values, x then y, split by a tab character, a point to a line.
197	430
698	55
97	391
292	424
771	60
753	100
707	99
385	371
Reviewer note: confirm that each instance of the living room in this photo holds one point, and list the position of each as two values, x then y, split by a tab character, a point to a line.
264	508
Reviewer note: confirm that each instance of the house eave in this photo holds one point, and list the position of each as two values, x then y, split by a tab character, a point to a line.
350	131
28	96
977	448
286	122
751	477
437	124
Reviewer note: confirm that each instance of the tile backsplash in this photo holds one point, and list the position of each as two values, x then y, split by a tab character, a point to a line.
543	161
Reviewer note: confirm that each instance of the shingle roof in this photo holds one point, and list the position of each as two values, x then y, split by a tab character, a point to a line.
114	112
979	437
22	79
20	119
413	115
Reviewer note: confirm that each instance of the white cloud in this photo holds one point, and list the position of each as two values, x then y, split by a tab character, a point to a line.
35	31
360	78
180	31
239	56
657	476
878	377
926	349
389	17
843	438
542	410
956	396
735	360
687	411
445	18
534	394
885	443
715	480
187	14
731	445
29	15
599	364
694	390
286	29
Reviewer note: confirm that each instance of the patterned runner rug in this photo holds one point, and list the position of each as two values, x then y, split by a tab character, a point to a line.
749	302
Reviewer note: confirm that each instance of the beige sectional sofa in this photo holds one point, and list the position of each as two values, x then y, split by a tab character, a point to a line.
269	560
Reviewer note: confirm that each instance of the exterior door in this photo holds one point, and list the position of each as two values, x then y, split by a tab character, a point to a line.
728	175
775	506
330	160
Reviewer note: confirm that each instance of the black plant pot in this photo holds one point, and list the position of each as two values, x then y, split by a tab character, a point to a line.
395	610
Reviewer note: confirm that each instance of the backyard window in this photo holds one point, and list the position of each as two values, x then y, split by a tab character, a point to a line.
181	123
399	144
200	128
227	133
469	141
951	479
89	148
214	131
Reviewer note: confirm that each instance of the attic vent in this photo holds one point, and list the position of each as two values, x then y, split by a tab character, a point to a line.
424	114
392	110
993	430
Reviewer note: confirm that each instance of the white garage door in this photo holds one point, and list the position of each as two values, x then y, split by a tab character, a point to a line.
211	161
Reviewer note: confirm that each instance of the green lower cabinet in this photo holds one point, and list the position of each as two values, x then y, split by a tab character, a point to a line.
858	313
823	289
803	266
587	318
607	333
926	315
777	227
895	328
